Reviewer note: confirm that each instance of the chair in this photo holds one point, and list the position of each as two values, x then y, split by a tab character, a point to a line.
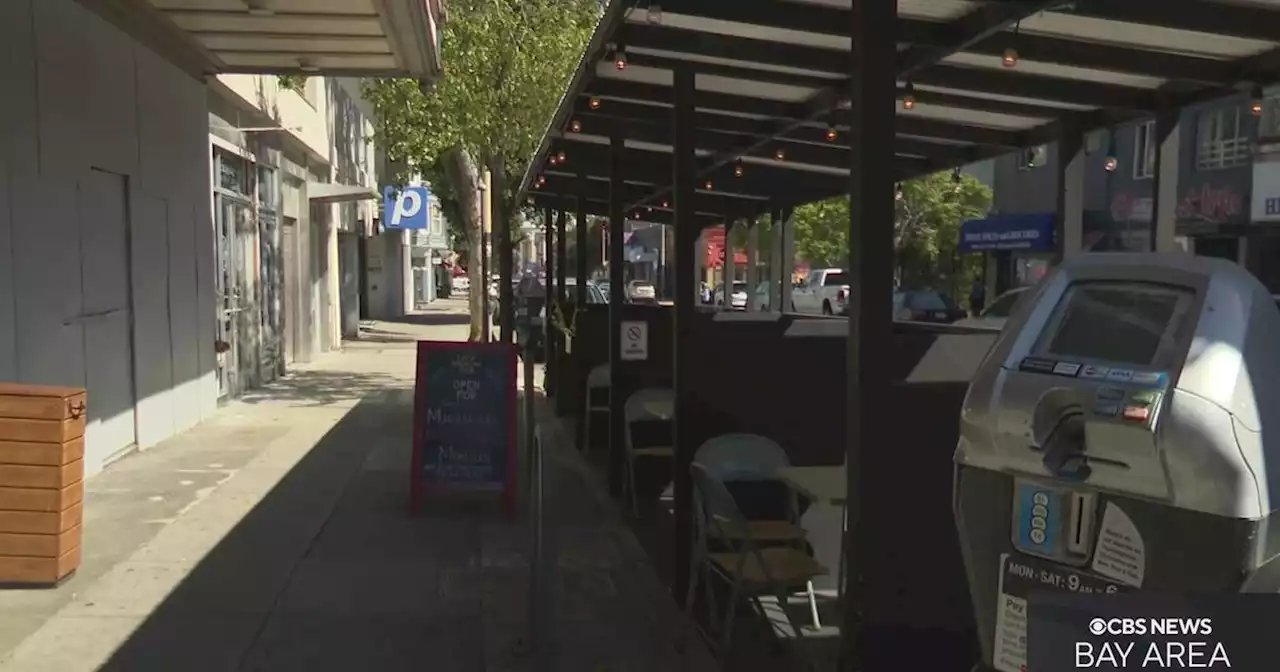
597	380
751	457
750	571
650	403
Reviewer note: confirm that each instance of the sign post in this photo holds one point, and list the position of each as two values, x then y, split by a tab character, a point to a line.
464	420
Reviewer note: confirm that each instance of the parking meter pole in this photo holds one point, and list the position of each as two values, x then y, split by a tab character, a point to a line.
541	600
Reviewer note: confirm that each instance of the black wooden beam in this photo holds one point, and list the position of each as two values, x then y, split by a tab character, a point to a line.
594	158
601	209
973	27
1057	89
804	145
598	190
605	91
1107	58
820	19
1215	18
906	126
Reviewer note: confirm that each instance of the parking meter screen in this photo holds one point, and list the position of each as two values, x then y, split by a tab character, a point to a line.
1127	322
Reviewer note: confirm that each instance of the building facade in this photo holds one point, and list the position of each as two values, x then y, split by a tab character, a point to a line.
1214	181
145	252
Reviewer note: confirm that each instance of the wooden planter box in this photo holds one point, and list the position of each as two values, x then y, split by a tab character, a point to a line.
41	483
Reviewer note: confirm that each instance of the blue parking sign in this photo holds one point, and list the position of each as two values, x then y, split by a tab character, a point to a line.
406	208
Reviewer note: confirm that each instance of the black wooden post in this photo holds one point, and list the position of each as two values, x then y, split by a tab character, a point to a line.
562	260
617	386
506	261
871	176
580	303
548	331
686	232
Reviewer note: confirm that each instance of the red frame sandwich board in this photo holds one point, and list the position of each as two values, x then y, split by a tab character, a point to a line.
464	420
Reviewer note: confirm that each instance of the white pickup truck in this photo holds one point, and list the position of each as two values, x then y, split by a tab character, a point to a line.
825	291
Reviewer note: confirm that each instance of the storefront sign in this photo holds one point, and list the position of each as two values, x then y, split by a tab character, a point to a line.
1209	204
1266	192
1032	232
1126	208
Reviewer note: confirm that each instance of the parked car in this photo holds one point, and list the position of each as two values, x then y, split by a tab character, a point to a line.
537	337
642	291
997	313
737	297
921	305
825	291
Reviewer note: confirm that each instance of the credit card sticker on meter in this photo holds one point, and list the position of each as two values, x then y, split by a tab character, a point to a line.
1039	519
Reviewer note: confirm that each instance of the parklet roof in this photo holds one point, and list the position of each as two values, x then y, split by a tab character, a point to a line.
982	78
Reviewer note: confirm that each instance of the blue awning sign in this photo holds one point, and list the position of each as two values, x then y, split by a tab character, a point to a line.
1028	232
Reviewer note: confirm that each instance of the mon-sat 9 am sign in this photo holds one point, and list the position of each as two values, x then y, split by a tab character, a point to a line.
406	208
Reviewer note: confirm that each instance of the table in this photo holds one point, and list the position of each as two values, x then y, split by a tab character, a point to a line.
827	485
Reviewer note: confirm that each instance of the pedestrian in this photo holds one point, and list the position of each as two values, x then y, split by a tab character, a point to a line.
977	296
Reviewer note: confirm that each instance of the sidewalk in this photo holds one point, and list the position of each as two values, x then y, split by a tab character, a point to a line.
276	537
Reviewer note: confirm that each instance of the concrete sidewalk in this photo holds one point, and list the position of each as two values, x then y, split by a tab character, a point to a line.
276	537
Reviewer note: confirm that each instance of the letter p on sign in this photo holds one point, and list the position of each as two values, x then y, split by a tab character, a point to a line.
407	207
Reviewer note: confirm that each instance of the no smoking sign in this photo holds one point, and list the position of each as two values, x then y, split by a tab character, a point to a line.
635	341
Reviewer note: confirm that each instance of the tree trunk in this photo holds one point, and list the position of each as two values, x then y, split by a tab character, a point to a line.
464	175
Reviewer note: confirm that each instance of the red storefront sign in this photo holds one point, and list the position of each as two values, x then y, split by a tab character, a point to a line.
715	249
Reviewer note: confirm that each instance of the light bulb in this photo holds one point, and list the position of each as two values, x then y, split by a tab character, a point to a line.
575	126
620	59
779	155
561	156
707	185
737	169
1110	164
908	102
594	103
831	134
1010	58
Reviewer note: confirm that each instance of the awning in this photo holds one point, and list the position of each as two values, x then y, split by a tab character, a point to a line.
327	192
355	38
1030	232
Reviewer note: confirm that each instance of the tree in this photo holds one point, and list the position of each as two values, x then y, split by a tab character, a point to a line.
507	62
927	218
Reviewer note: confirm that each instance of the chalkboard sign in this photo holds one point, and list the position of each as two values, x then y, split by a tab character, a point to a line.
464	418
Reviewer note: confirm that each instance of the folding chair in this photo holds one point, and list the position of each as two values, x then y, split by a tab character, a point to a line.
597	381
754	458
650	403
750	571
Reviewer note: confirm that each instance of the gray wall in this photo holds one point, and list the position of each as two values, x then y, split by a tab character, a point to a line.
106	240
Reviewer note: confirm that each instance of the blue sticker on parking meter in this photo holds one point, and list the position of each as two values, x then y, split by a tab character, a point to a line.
1039	519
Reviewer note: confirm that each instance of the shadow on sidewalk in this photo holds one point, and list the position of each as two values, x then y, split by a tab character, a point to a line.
328	571
322	387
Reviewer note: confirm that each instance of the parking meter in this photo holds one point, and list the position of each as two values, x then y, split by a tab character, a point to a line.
1115	439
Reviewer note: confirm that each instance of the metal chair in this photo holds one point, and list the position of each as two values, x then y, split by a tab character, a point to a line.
751	457
597	379
650	403
750	571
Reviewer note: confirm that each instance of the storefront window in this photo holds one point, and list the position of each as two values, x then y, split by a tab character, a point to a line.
268	188
233	172
1029	270
1220	139
1269	124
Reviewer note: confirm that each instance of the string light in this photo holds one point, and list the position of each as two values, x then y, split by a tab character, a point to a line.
1255	106
707	185
779	155
594	103
955	176
575	126
831	134
561	156
552	160
897	191
620	58
1110	164
909	97
664	204
1010	57
737	169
